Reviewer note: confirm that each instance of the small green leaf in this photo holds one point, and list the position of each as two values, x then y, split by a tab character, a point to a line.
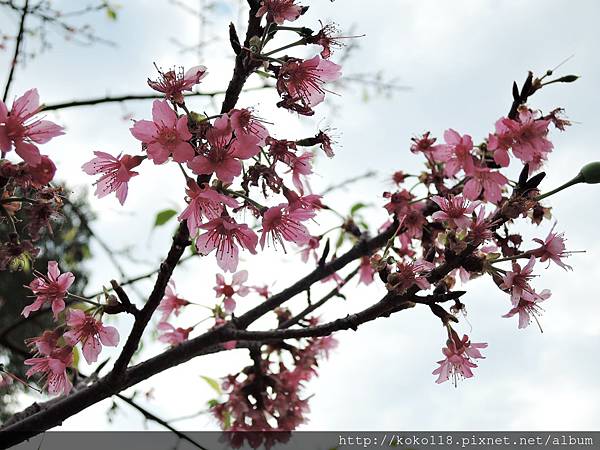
212	383
340	240
356	207
111	12
164	216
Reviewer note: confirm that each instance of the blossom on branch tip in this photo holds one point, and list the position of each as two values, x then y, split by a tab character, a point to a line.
553	248
166	135
517	281
19	129
51	288
92	334
459	355
225	235
173	83
279	11
171	335
527	308
300	83
228	290
116	171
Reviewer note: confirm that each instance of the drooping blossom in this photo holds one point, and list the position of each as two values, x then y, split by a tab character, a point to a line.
398	177
224	153
553	248
228	290
263	291
51	288
366	271
166	135
42	173
46	343
517	281
310	203
459	153
171	302
92	334
310	249
529	308
282	224
115	173
279	11
408	274
459	355
301	166
325	140
244	123
204	202
455	210
19	128
225	235
399	202
300	83
327	37
171	335
53	368
489	181
173	83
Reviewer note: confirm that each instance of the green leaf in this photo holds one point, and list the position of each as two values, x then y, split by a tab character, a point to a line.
340	240
164	216
212	383
111	12
356	207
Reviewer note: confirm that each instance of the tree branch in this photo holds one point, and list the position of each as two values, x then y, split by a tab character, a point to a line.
17	49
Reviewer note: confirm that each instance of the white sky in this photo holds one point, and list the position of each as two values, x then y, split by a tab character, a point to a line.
460	59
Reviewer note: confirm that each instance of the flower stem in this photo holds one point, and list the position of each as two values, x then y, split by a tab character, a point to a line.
578	179
285	47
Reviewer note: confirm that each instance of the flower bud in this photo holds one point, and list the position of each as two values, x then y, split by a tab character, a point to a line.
591	173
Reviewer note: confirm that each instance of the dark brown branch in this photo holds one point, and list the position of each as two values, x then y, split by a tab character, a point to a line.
18	44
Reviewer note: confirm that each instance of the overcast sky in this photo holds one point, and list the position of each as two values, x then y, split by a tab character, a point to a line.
459	59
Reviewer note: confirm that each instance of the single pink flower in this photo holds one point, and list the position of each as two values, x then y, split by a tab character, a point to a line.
204	202
310	203
301	166
173	83
366	272
500	142
166	135
399	202
244	123
116	173
171	335
43	173
263	291
328	37
479	228
553	248
425	145
92	334
224	234
408	274
279	11
459	355
517	281
460	156
50	289
20	129
171	302
529	308
300	83
311	246
53	369
46	343
489	181
224	154
228	290
280	223
455	210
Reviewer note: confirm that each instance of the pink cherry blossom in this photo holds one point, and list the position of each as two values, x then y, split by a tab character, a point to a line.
92	334
517	281
224	234
46	343
310	203
53	368
479	228
171	302
328	37
204	202
408	274
263	291
224	155
311	246
244	123
300	83
282	224
425	145
459	153
51	288
529	308
301	166
279	11
500	142
173	83
366	272
490	181
228	290
171	335
455	210
553	248
459	355
166	135
116	173
19	128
